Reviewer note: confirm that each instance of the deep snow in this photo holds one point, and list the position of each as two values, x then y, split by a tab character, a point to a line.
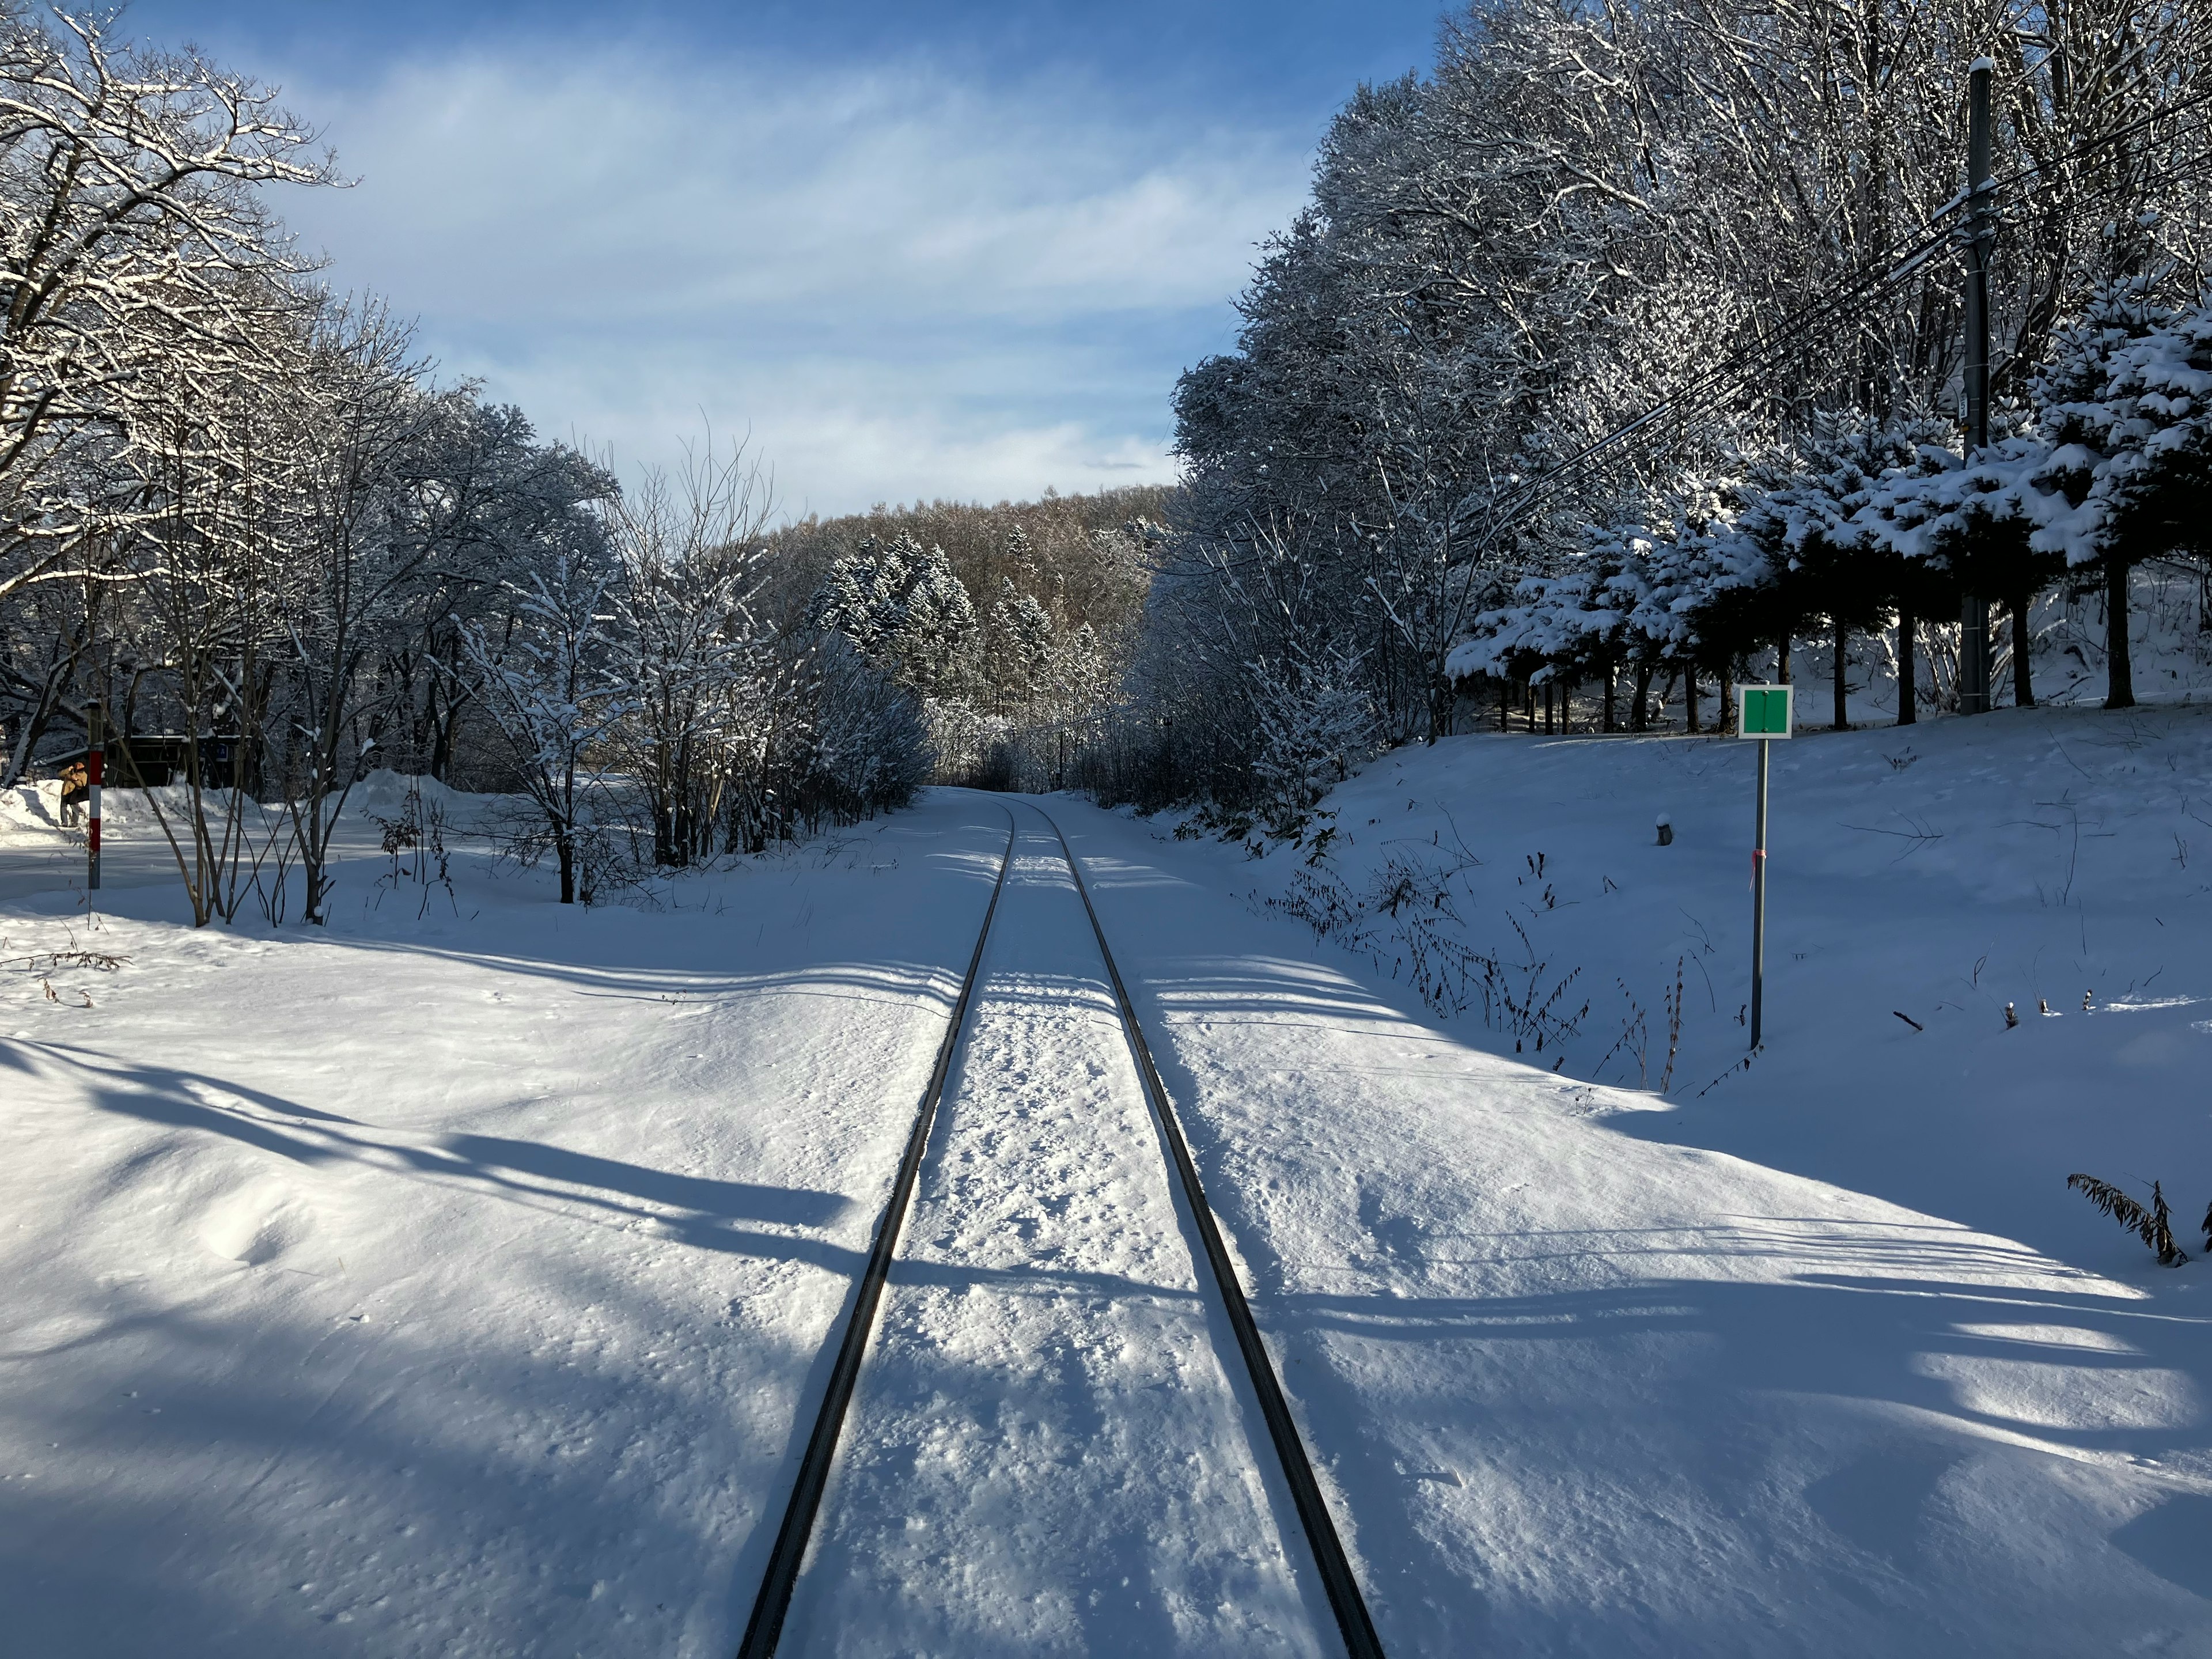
447	1287
462	1285
1773	1415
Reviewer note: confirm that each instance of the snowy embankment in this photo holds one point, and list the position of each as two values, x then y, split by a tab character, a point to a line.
1939	871
461	1284
1820	1357
441	1287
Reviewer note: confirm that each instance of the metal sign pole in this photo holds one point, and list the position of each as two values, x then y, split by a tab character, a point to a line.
1759	901
1764	715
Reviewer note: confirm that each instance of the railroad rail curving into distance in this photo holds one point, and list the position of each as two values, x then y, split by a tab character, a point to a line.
765	1627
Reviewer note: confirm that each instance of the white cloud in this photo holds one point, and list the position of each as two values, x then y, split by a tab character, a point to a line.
901	283
873	431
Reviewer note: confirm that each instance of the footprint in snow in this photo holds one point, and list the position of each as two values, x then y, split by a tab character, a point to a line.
256	1223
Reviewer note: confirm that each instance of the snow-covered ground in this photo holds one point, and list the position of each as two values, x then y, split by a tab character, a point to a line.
1823	1360
462	1284
445	1286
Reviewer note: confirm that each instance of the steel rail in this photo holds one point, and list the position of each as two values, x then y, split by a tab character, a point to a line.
1337	1578
766	1625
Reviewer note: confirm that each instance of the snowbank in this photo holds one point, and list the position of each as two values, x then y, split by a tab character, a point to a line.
441	1285
1938	871
31	811
1826	1362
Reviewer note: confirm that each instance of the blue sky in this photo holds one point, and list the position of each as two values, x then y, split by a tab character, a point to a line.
956	250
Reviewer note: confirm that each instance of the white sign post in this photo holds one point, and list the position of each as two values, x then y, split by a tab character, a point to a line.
1763	715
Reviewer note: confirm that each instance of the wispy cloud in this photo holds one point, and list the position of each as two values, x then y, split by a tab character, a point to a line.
900	283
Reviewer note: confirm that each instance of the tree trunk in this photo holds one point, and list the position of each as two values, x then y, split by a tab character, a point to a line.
2119	668
2023	678
1843	677
1726	713
1782	661
566	844
1548	689
1504	702
448	729
1908	667
1690	693
1612	673
34	728
1639	711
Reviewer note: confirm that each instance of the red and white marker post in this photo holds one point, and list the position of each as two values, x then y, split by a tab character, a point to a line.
95	759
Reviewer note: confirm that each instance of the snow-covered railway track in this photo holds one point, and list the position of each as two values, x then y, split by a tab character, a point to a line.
1060	1104
1329	1559
766	1624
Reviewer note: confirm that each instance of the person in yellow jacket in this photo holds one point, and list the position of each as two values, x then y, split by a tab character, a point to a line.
76	789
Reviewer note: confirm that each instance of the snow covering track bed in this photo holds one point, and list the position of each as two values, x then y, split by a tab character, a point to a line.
766	1623
1337	1578
1150	1483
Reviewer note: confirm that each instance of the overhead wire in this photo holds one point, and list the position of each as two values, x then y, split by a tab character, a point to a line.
1727	380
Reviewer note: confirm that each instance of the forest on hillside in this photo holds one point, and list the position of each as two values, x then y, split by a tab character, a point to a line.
1014	624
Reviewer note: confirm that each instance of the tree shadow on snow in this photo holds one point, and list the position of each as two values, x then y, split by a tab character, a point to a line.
573	1498
696	1206
1917	1324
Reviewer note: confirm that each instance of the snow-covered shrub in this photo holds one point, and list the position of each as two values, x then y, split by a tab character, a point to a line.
869	741
1407	920
1316	723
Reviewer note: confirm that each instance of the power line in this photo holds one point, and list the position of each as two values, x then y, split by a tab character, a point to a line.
1890	266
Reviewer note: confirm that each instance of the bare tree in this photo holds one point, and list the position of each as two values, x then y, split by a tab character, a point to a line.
133	229
550	685
365	404
689	647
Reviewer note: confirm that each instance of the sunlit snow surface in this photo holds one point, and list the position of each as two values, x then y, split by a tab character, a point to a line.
457	1286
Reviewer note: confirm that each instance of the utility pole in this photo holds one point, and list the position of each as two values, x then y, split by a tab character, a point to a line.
1974	612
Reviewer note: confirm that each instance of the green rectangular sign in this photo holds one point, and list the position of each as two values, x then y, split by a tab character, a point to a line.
1763	711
